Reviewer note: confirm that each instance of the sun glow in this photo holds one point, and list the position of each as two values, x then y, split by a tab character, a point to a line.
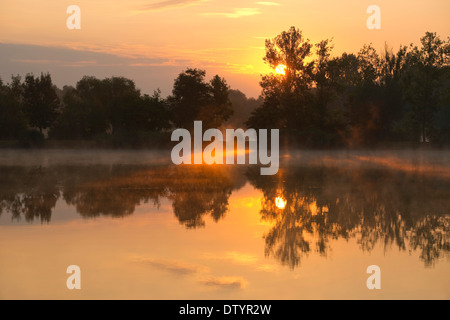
281	69
280	202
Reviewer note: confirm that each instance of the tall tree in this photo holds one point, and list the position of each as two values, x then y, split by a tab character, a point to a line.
423	81
218	109
193	98
124	105
40	101
287	96
85	111
156	112
324	87
12	120
190	92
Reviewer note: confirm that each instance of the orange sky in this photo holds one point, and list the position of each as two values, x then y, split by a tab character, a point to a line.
152	41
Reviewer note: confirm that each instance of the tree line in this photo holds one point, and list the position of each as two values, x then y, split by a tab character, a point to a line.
363	99
112	107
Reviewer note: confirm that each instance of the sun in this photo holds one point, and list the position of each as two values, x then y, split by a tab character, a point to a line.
280	202
281	69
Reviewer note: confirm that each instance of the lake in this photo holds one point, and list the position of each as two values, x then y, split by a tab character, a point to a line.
140	227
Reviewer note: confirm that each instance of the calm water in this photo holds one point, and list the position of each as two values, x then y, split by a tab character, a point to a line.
141	228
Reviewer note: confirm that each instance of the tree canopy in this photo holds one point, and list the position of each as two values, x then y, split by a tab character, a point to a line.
317	100
363	99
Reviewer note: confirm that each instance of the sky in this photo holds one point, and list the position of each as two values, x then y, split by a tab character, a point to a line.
153	41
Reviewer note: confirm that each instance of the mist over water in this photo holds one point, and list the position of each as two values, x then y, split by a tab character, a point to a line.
39	157
26	158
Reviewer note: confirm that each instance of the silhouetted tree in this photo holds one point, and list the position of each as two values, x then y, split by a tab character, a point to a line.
286	96
12	119
218	109
40	101
363	99
360	100
195	99
85	111
156	112
442	116
124	107
112	105
326	115
426	73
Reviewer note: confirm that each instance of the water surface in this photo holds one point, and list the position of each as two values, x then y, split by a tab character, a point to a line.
141	228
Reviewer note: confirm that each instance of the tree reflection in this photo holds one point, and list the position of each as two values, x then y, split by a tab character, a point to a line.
373	206
112	191
116	191
307	206
431	236
31	193
199	191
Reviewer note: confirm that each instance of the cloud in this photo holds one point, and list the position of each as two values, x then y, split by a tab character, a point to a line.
150	67
237	13
81	63
177	267
200	273
241	258
225	282
170	4
264	3
234	257
38	61
267	268
75	56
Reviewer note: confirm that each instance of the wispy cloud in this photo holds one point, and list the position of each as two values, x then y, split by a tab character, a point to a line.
200	273
264	3
169	4
267	268
225	282
37	61
237	13
177	267
64	63
234	257
241	258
